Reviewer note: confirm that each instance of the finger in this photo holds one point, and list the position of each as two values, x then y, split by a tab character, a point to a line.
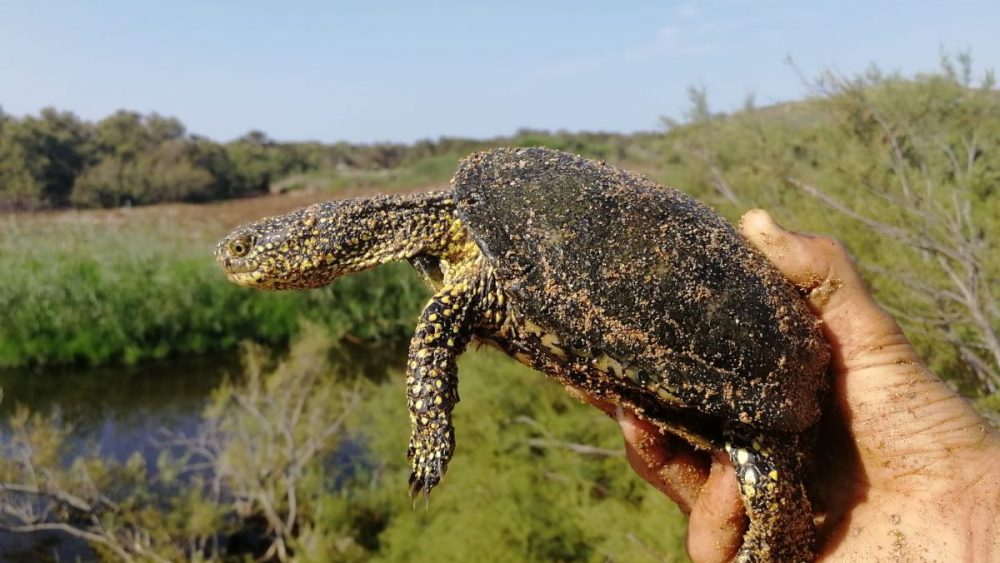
715	530
664	461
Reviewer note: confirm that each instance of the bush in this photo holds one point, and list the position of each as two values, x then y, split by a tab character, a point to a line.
269	475
904	171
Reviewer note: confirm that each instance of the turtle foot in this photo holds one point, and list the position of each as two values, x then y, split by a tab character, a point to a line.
429	461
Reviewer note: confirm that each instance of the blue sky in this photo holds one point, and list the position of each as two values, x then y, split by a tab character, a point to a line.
392	70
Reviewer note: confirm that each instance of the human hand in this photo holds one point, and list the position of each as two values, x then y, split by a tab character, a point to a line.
904	468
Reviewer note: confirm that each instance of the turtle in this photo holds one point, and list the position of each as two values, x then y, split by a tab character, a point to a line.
600	278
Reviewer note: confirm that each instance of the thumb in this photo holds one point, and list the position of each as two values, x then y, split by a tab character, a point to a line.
854	324
881	385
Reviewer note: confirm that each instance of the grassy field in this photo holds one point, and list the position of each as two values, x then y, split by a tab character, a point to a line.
136	283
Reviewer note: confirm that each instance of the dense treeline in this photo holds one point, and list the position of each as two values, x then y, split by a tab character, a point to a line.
57	160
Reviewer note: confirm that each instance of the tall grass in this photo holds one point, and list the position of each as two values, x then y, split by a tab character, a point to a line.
73	292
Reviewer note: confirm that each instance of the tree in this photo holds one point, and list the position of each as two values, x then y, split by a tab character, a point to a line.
41	158
121	135
936	156
165	172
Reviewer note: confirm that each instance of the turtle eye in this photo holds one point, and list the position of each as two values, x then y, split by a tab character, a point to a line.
240	246
579	347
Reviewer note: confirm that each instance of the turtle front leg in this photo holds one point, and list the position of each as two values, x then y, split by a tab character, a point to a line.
769	473
432	382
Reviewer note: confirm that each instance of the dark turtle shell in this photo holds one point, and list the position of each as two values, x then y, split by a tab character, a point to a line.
650	277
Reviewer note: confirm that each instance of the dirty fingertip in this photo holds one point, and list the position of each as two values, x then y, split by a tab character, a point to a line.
757	222
629	423
641	434
584	397
760	229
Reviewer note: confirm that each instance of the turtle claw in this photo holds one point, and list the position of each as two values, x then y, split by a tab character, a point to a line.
424	478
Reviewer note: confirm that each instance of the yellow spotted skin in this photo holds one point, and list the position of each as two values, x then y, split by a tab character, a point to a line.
313	246
442	333
768	472
481	295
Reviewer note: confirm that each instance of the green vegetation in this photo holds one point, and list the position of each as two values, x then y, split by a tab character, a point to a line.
904	171
99	293
56	160
537	477
521	487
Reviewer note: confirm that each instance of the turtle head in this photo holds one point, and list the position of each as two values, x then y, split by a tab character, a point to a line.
306	248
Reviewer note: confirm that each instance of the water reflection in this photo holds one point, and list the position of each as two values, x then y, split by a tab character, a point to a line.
120	410
123	409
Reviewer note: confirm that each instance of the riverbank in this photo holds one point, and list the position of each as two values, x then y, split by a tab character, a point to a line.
318	435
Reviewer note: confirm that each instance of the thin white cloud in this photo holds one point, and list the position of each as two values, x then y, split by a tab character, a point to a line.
687	11
708	36
692	33
675	40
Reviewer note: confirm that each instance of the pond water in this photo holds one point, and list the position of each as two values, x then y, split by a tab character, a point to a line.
120	410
